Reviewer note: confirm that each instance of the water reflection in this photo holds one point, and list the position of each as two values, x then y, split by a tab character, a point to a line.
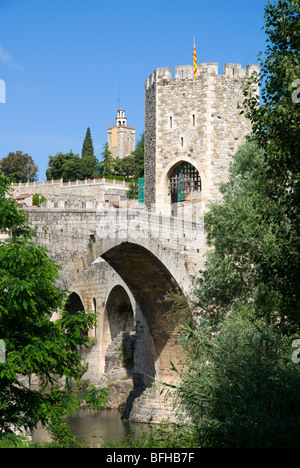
96	427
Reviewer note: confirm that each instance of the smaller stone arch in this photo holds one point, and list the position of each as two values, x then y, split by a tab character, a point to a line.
118	336
182	181
73	305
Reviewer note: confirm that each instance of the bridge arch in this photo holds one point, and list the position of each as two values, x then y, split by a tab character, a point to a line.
150	282
74	303
118	337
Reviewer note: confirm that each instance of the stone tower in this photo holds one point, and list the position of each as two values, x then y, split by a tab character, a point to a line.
121	137
192	129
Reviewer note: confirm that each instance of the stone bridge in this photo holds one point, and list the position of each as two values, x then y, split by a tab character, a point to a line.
121	264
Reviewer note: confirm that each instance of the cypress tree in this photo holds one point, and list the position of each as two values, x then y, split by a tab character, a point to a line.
87	147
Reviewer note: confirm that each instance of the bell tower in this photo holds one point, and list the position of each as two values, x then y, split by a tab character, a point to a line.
121	137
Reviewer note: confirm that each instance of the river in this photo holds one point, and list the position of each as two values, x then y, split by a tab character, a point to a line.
96	427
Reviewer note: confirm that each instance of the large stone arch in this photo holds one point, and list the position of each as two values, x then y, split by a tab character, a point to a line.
150	282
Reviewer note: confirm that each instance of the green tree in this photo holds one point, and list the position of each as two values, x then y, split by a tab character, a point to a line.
255	248
65	166
19	167
107	162
35	345
138	170
89	161
87	147
276	126
38	199
240	385
133	192
276	122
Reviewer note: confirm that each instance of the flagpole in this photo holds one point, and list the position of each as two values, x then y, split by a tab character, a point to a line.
195	58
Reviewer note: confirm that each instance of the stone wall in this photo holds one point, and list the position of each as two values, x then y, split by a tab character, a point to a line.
60	194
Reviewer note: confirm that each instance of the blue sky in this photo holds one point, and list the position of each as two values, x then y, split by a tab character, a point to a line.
65	63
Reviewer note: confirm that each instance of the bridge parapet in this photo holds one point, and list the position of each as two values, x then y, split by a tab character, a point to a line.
77	237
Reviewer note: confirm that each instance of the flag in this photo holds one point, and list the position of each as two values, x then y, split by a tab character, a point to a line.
195	59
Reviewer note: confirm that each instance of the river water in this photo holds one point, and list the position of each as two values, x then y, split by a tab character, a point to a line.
96	427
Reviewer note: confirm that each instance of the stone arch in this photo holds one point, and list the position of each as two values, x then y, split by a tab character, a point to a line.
165	204
74	304
118	335
150	282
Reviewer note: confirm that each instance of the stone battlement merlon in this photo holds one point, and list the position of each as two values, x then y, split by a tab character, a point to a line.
233	70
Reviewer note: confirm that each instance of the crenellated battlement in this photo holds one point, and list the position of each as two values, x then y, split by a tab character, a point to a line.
233	70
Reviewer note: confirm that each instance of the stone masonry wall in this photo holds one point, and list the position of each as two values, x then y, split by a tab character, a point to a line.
193	119
59	194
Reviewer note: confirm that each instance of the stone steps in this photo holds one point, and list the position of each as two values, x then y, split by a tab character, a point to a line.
120	351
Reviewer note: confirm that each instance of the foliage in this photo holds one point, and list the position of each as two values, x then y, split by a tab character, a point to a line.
89	162
71	167
241	388
276	122
64	166
12	220
239	384
87	147
95	397
139	158
19	167
163	435
276	126
133	191
35	345
131	166
106	167
38	199
255	248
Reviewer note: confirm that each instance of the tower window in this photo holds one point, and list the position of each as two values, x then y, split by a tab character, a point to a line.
171	122
181	139
194	120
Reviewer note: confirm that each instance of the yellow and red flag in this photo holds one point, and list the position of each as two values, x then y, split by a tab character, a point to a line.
195	59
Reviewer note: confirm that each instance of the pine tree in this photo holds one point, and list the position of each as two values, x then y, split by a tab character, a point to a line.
87	147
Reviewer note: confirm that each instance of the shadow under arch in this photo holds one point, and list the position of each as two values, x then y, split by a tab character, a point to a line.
118	337
150	282
73	305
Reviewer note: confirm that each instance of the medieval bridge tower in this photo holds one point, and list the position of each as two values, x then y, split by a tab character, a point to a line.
193	127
